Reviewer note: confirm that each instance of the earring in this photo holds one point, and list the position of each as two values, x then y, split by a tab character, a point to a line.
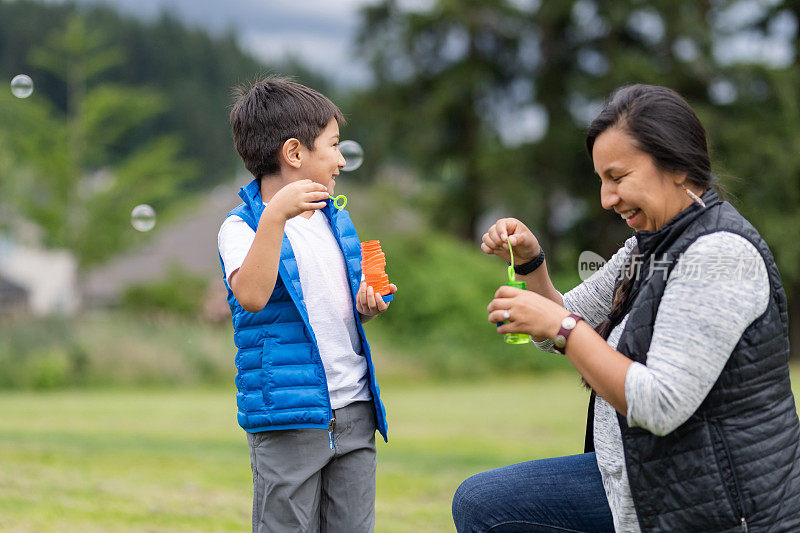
699	201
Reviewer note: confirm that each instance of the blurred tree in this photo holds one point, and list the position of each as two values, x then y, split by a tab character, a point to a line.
736	61
86	175
588	48
441	74
755	130
192	70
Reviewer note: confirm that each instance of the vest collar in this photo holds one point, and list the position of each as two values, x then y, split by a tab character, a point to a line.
658	241
251	196
653	246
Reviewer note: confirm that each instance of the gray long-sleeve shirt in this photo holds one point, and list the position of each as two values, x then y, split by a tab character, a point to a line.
718	287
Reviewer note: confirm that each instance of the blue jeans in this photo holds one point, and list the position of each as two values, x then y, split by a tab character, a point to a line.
549	495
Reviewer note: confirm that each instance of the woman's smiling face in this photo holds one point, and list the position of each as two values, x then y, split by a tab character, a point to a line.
645	196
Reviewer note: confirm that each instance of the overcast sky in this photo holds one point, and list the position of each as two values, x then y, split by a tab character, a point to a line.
319	32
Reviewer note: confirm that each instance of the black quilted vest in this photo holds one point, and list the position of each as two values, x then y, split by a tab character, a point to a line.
735	464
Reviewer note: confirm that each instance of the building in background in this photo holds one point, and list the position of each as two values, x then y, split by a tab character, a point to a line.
13	297
48	279
189	243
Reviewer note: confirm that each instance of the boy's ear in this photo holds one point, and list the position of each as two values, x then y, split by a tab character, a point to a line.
291	152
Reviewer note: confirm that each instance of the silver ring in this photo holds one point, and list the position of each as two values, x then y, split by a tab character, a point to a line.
506	315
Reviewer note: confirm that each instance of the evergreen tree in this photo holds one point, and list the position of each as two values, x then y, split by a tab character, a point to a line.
439	110
82	175
448	67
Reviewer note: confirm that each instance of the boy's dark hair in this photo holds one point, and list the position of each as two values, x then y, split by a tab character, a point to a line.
269	111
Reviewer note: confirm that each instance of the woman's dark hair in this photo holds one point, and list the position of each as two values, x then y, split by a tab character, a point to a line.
663	125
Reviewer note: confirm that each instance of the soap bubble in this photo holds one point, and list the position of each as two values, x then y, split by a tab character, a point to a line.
353	155
143	217
22	86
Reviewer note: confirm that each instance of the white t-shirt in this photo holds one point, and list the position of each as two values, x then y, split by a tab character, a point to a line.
326	293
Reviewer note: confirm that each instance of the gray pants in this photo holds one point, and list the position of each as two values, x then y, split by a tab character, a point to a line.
301	485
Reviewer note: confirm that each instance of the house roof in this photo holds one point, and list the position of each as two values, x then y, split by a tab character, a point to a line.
11	294
189	243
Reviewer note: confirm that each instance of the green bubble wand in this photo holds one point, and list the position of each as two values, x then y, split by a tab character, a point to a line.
514	338
511	274
337	200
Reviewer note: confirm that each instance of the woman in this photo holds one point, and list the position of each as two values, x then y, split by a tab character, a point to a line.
682	337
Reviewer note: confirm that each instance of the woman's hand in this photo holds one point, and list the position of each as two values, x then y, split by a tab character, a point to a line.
525	312
526	247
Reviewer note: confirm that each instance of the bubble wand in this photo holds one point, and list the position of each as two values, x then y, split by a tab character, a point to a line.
512	277
353	155
514	338
337	199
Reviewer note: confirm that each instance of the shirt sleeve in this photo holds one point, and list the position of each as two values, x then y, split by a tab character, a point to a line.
234	241
591	300
717	288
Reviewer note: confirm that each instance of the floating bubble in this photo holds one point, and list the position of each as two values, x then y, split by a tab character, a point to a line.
353	155
22	86
143	217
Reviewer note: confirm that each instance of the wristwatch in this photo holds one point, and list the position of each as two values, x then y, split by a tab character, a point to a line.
567	325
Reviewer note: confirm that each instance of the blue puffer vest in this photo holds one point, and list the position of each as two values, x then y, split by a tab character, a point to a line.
280	379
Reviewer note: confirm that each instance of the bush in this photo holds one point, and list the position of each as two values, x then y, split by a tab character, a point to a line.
179	293
113	348
439	314
436	326
40	354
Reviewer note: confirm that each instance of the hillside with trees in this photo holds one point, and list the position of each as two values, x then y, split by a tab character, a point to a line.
488	102
476	109
124	112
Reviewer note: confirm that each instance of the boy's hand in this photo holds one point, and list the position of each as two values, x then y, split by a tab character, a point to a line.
370	304
526	246
297	197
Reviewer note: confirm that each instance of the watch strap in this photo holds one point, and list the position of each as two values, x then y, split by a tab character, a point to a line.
567	326
530	266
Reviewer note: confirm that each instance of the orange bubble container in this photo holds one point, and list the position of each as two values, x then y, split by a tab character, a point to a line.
373	264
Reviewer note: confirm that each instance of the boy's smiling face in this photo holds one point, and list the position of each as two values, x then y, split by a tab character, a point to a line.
322	164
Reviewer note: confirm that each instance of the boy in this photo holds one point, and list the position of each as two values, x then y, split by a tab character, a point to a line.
307	394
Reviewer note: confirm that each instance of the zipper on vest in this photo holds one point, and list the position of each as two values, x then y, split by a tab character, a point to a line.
738	505
332	425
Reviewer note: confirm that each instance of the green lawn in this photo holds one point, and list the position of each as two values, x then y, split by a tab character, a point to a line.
160	460
139	460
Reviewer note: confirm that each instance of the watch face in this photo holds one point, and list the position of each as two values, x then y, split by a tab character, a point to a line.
568	323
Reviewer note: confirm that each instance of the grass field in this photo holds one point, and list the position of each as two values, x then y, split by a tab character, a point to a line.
161	460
